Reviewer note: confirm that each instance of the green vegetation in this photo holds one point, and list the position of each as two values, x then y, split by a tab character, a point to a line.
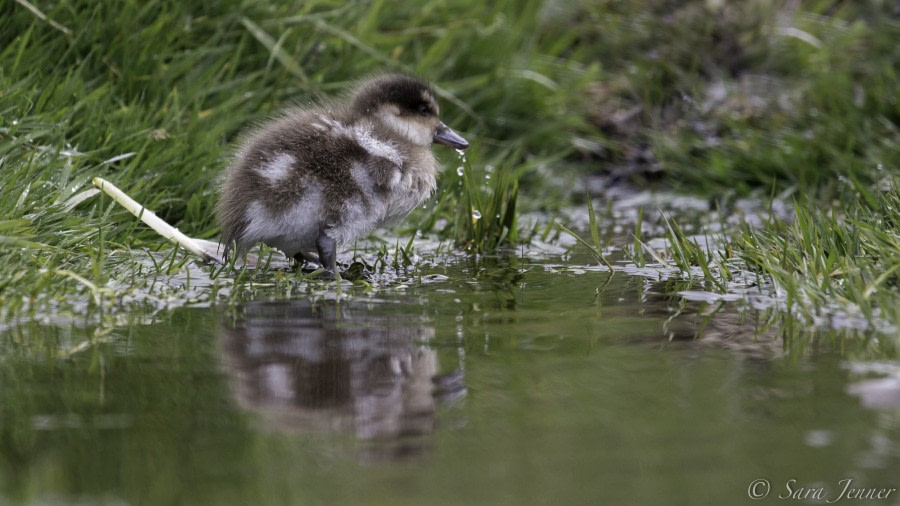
849	256
721	98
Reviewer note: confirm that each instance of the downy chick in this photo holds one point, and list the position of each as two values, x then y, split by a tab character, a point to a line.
319	177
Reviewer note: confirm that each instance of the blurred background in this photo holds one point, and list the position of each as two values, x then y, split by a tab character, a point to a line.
707	96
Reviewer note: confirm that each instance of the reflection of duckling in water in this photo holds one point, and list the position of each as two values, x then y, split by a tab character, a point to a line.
323	176
339	367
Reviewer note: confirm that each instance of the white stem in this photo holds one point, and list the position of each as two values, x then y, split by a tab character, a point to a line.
149	217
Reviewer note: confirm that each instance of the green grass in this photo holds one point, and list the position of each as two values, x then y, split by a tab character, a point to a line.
848	256
151	95
725	100
748	93
842	262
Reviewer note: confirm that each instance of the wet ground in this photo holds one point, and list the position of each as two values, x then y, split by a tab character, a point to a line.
531	377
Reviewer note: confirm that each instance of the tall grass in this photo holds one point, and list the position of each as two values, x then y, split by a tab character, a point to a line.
740	94
724	96
150	95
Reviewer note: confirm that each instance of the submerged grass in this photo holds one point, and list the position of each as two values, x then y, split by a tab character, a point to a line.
723	97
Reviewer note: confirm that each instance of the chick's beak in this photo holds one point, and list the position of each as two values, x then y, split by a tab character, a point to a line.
446	136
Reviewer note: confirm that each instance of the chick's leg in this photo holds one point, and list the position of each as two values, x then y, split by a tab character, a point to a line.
327	248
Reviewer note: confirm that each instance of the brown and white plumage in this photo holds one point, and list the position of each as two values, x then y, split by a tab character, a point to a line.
318	177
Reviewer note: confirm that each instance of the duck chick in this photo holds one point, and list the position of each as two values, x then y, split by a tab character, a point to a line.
319	177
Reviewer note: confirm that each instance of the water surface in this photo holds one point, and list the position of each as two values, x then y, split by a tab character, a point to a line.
509	381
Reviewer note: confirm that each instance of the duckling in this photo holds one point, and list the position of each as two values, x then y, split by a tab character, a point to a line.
319	177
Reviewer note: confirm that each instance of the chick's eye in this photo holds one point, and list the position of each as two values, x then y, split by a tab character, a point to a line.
424	109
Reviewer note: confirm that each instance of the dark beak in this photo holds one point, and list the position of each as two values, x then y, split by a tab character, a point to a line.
444	135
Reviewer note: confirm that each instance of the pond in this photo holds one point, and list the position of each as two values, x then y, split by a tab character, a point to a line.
518	378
